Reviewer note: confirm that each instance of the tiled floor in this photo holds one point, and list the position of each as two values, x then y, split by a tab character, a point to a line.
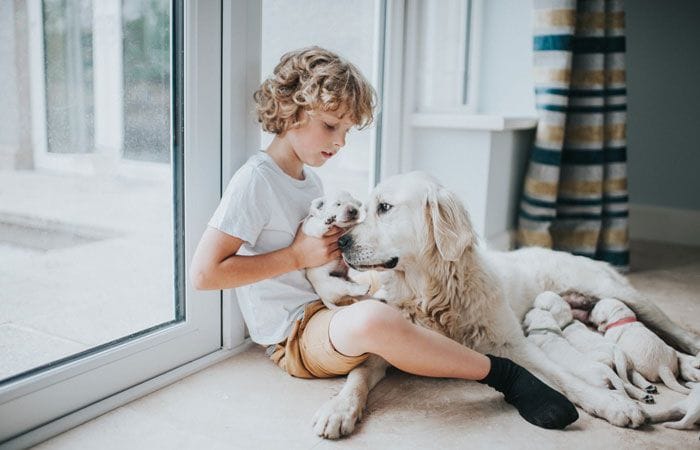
247	402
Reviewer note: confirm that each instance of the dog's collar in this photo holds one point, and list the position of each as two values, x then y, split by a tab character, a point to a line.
621	322
544	330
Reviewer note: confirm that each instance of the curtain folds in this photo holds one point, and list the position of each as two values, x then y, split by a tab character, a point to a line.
575	195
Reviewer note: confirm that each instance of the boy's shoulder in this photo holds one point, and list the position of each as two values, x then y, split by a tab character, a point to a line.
256	168
261	167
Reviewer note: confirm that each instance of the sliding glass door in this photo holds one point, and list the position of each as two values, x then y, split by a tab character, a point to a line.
111	150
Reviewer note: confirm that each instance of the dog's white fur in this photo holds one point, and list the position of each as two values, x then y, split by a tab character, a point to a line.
686	412
330	281
541	328
593	345
474	296
652	357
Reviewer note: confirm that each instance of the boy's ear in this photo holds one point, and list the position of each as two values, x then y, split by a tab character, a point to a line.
316	206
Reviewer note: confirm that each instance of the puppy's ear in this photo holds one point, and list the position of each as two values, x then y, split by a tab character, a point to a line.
452	229
316	206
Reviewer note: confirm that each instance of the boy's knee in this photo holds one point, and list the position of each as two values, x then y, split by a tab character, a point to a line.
372	317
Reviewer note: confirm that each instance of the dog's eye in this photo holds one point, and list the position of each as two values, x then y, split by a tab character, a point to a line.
337	204
383	207
320	205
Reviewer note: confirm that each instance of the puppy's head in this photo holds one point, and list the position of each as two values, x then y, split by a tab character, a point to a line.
339	209
539	318
608	310
561	311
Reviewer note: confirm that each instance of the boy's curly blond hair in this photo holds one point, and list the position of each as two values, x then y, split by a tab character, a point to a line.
313	78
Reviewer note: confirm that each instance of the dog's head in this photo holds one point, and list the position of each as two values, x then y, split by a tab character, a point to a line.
406	215
608	310
339	209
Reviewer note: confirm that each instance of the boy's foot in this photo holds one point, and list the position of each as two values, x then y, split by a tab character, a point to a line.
535	401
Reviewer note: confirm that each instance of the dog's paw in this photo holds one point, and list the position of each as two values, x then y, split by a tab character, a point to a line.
337	417
688	369
617	409
680	425
329	304
696	361
358	289
381	294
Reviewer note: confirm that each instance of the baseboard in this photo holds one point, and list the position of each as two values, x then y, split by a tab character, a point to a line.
656	223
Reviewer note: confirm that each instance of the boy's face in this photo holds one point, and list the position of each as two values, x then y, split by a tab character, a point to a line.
321	137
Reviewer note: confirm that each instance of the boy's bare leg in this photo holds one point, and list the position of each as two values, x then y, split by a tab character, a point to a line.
372	327
406	346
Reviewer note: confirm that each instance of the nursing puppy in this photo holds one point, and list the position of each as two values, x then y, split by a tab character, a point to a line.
593	345
652	357
331	281
596	347
542	329
686	412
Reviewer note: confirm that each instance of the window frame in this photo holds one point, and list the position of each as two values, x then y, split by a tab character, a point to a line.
40	405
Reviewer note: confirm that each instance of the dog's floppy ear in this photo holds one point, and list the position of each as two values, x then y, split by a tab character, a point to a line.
316	205
452	229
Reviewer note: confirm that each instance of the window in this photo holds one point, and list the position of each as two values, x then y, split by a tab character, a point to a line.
446	48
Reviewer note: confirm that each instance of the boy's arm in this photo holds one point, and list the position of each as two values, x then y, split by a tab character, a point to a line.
215	264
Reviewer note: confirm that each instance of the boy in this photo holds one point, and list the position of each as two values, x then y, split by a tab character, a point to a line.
253	244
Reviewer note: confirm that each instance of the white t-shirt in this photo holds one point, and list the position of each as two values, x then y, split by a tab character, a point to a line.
263	206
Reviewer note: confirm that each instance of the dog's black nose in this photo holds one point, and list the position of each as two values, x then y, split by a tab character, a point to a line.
352	213
345	242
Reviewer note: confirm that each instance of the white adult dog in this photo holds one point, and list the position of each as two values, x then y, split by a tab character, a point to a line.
330	281
441	279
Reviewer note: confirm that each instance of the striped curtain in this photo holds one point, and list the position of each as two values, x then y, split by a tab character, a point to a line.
575	190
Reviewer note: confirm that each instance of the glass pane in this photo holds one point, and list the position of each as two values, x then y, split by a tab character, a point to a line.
349	29
87	248
69	88
146	89
443	52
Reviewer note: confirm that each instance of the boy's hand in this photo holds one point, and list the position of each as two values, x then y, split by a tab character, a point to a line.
313	252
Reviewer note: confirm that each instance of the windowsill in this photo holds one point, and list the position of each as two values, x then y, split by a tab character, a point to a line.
483	122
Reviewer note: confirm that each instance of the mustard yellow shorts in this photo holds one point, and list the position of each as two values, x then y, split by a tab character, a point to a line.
308	352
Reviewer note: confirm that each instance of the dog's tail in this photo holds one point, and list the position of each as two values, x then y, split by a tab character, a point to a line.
657	415
669	380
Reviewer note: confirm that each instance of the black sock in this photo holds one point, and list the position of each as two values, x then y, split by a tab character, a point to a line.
535	401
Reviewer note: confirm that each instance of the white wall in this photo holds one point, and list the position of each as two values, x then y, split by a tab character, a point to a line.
663	85
506	75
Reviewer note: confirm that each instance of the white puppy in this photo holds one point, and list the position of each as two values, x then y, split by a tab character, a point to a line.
651	356
593	345
542	329
331	281
596	347
686	412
